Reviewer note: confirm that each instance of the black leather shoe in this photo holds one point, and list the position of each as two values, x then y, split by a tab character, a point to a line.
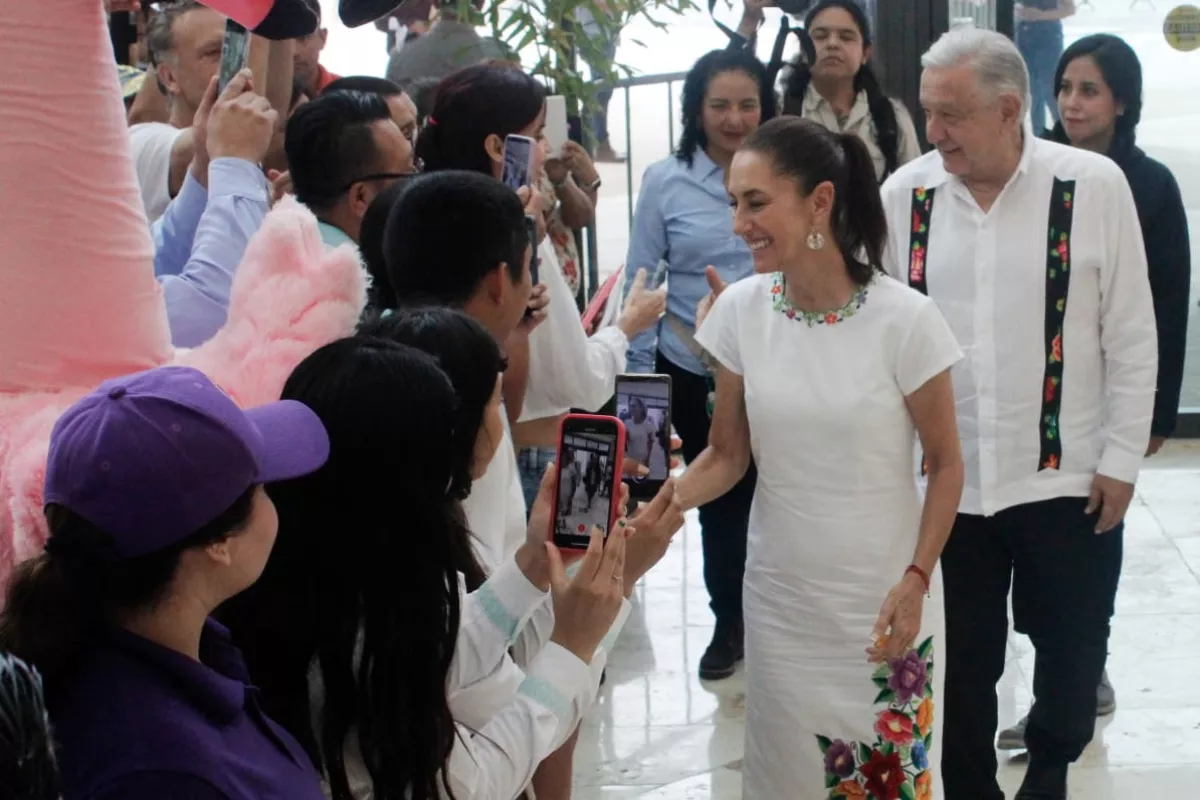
724	652
1044	782
360	12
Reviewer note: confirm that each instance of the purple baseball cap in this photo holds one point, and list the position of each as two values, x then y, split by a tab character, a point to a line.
152	458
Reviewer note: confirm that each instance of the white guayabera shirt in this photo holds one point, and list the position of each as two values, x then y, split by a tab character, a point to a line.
1048	296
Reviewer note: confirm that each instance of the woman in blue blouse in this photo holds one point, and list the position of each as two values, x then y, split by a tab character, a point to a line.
683	218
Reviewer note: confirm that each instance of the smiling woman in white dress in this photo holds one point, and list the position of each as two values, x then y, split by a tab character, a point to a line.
828	371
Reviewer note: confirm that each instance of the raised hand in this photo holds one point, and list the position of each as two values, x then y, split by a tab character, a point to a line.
715	287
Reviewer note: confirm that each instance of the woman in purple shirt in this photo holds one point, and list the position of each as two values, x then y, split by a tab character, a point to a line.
157	515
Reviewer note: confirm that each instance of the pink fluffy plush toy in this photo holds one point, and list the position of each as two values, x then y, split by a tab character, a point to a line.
78	299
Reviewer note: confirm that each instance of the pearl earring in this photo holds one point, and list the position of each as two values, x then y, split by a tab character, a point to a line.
815	241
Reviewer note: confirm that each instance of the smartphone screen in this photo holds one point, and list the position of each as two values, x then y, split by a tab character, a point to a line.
589	455
518	161
643	404
234	51
556	131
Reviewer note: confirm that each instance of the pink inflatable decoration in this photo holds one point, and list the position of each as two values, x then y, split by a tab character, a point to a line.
78	299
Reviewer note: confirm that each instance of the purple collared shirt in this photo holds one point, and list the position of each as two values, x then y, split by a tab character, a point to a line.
200	242
139	721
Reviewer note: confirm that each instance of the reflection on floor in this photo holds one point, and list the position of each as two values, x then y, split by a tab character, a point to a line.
657	732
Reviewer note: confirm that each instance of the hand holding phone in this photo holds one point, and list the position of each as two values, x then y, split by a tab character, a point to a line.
588	487
586	606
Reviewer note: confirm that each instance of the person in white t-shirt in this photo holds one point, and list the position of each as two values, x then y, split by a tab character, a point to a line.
184	40
829	371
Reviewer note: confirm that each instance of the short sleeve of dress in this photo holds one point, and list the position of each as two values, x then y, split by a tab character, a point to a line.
927	350
719	333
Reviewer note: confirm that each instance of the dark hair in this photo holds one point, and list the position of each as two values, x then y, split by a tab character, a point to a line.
363	579
883	113
421	91
315	7
330	144
59	603
810	155
364	83
1122	71
370	245
28	768
430	260
472	104
471	359
695	87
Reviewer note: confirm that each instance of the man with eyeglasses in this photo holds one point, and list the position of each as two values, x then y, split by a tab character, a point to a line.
403	109
343	149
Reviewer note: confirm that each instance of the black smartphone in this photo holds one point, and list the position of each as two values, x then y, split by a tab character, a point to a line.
588	479
643	404
234	51
531	229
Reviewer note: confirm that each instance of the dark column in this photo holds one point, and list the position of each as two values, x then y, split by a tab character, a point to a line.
904	31
123	32
1005	16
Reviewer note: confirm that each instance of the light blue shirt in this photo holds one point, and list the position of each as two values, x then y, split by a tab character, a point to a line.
200	241
682	216
333	236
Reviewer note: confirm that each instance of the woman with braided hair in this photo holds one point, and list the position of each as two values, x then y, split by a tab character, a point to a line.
835	85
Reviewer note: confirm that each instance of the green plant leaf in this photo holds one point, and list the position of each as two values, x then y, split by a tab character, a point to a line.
926	648
831	780
864	753
880	682
885	696
906	791
888	748
825	743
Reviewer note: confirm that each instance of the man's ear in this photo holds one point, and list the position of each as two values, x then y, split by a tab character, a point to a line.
166	80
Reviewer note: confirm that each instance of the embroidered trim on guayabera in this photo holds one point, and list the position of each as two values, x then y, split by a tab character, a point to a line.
1058	280
918	252
918	243
895	766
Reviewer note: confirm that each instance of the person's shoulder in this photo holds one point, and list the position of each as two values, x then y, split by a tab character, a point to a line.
923	172
1066	162
145	133
886	290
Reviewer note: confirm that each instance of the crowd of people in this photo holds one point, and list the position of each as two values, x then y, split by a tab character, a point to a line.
281	399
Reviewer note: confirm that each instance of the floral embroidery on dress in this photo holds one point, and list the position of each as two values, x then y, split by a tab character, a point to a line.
561	237
780	303
1058	278
895	766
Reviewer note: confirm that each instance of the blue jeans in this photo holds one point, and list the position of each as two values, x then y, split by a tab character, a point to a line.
532	463
604	95
1041	45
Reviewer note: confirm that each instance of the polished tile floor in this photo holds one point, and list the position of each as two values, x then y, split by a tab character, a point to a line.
658	732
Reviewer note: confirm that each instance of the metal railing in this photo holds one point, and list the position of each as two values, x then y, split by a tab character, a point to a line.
670	79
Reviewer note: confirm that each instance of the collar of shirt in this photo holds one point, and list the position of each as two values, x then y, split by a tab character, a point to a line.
216	685
703	168
818	108
324	78
333	236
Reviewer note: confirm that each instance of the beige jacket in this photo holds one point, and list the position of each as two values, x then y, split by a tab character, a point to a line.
859	123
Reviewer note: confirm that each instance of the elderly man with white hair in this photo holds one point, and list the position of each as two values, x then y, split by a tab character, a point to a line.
1033	253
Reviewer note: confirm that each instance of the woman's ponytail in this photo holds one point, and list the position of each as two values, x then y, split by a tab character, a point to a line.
860	226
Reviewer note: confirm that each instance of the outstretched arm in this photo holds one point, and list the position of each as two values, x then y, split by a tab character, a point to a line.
80	303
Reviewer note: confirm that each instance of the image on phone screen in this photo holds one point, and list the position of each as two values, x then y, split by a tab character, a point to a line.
234	50
585	485
645	408
518	161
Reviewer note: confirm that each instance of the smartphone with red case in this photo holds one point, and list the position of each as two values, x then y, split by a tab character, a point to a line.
587	486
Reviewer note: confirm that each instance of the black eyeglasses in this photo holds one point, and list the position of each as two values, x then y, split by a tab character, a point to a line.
380	176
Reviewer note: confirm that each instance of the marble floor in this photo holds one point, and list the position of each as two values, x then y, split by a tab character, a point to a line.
659	732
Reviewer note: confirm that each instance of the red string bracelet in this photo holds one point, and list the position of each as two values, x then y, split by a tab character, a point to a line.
920	573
